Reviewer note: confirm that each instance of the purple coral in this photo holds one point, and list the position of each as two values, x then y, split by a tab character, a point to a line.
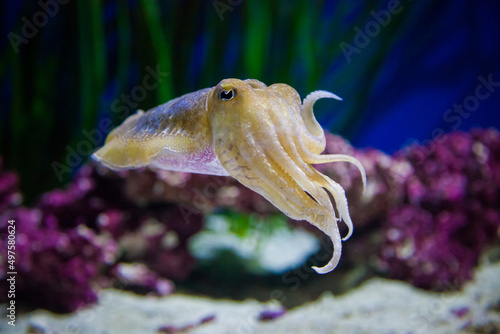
428	211
385	176
437	206
450	211
55	268
69	244
197	193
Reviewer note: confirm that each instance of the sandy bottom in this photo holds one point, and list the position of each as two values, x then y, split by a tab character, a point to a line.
377	306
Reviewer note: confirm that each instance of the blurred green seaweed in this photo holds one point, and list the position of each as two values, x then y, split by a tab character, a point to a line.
69	77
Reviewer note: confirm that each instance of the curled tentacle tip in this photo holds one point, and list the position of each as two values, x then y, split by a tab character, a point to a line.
363	178
362	171
333	232
348	235
347	220
320	94
326	269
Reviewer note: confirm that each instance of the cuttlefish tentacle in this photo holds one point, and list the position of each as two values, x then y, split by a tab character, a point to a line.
313	158
288	155
271	184
273	179
285	168
332	230
328	223
262	136
287	139
314	129
318	141
243	164
290	180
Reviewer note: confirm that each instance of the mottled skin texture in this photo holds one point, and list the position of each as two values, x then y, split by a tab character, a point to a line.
262	136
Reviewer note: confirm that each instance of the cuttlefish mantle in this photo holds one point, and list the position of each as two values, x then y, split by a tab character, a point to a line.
263	136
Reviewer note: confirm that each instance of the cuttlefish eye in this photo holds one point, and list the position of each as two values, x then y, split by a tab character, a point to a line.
226	95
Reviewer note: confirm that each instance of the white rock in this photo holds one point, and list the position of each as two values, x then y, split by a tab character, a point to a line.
378	306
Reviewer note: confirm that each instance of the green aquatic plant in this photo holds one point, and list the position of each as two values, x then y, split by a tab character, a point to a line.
63	81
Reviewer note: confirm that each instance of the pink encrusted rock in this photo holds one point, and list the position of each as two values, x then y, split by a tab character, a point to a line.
56	268
68	245
428	211
425	217
450	213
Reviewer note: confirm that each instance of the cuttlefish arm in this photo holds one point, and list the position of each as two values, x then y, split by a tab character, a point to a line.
262	136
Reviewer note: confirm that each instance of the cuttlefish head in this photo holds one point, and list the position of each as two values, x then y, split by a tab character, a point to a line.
268	140
235	105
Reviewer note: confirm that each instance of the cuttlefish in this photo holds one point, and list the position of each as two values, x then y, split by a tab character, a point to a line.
263	136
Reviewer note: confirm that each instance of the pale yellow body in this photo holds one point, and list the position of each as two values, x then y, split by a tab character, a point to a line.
262	136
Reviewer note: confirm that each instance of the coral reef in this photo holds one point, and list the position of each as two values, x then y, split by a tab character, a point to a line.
82	236
450	212
429	211
426	216
56	268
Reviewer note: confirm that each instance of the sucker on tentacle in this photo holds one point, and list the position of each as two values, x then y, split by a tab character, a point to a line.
263	136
